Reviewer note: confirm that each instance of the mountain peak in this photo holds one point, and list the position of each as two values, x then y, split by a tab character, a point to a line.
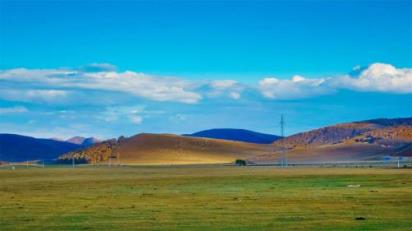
83	141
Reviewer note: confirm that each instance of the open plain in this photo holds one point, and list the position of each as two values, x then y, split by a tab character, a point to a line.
205	197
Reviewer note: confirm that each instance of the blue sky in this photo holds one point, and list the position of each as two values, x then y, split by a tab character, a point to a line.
101	68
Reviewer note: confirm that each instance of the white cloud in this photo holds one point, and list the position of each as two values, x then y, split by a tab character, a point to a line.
38	95
297	87
138	84
230	88
12	110
377	77
57	85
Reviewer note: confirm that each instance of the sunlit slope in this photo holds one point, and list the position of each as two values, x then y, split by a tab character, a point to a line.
376	131
169	149
365	140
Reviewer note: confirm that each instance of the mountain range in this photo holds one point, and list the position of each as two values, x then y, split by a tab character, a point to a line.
363	140
17	148
237	135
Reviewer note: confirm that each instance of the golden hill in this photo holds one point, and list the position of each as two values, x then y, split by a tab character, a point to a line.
167	149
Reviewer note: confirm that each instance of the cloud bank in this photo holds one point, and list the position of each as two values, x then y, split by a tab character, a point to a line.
377	77
294	88
58	82
51	85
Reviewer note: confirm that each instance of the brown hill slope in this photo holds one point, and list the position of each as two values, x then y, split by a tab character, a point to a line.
167	149
365	140
340	133
387	135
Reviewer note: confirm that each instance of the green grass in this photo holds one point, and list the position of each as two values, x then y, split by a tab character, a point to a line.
205	198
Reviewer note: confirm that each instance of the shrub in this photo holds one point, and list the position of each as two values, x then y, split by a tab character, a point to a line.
240	162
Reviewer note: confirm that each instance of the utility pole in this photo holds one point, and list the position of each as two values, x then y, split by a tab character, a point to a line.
284	162
73	161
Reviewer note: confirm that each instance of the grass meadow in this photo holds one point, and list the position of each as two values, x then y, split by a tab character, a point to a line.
205	198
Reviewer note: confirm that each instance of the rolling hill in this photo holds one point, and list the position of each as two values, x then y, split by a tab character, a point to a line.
364	140
167	149
399	129
236	135
16	148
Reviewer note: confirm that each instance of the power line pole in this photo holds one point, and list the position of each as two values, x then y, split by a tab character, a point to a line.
284	162
73	161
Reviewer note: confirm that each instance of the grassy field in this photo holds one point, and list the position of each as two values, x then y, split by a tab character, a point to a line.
205	198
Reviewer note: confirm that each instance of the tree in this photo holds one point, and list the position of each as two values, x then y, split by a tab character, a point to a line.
240	162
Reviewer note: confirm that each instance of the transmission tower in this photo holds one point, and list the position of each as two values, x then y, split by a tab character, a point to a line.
284	162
